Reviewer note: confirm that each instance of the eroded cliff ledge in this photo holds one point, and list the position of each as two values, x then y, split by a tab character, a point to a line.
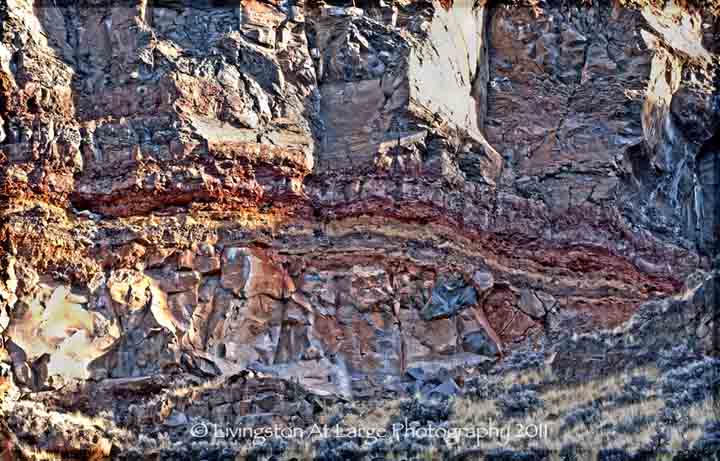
342	193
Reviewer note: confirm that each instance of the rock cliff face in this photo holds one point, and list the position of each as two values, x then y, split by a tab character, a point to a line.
342	193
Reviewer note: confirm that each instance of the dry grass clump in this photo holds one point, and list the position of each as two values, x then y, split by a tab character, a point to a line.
375	417
638	419
98	452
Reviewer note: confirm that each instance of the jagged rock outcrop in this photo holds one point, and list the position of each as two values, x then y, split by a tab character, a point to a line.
336	193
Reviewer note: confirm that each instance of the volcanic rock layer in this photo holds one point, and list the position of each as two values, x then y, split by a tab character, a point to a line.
341	193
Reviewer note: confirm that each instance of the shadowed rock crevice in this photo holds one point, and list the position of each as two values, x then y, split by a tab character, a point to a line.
708	162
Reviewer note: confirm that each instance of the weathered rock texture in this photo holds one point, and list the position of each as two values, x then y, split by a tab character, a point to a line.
338	194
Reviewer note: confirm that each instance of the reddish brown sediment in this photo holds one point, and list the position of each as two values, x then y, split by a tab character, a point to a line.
297	186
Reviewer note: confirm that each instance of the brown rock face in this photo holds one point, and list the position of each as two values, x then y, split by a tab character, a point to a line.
340	194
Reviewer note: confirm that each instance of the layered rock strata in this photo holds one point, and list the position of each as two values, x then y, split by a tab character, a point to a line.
339	193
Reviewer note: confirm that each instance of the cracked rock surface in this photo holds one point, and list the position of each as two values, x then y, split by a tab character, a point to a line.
334	194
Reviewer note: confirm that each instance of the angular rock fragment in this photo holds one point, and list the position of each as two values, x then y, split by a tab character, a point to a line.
449	296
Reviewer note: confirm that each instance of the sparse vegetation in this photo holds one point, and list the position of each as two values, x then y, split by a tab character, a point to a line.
624	412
